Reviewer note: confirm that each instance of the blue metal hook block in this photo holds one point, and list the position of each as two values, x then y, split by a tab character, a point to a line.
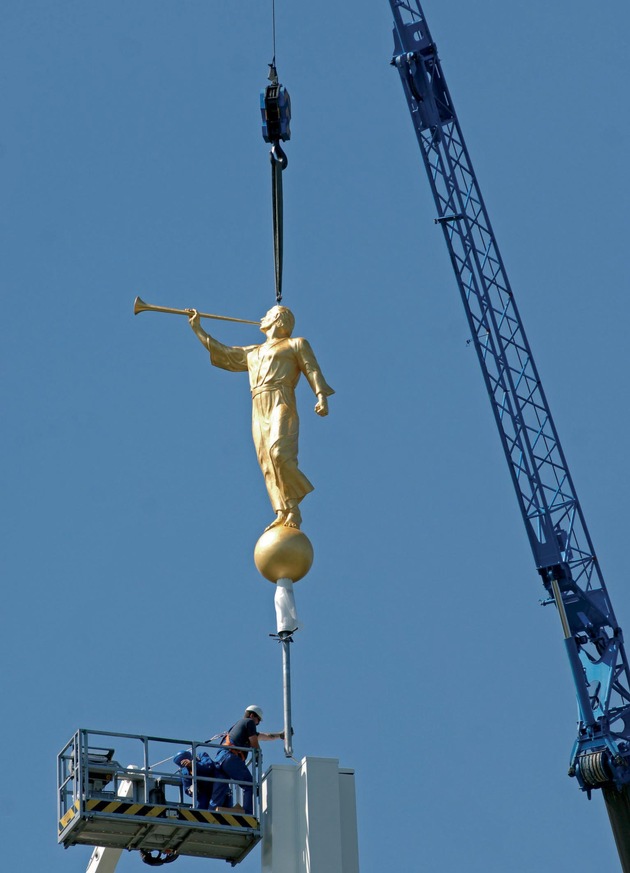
275	108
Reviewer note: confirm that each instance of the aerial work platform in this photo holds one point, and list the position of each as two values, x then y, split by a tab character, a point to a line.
146	807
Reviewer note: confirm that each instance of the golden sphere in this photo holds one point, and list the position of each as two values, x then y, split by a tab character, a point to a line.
283	553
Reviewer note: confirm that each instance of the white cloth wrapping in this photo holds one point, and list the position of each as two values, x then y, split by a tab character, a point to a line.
284	601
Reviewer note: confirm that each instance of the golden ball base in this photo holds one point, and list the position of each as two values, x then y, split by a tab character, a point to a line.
283	553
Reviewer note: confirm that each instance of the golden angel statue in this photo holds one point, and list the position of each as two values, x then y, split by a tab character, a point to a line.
274	368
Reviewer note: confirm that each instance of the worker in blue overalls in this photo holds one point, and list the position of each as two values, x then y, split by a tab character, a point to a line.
205	769
231	761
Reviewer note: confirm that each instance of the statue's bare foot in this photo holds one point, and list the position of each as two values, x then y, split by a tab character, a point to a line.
293	518
279	519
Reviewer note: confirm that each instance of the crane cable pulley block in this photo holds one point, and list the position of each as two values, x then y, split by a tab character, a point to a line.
275	108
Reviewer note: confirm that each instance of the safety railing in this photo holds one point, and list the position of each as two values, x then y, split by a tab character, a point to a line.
94	764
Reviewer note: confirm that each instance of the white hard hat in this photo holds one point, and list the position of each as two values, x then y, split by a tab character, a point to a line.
256	710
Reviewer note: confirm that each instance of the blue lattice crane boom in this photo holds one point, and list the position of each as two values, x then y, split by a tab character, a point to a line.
555	525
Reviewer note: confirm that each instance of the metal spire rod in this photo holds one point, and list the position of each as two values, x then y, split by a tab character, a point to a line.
286	638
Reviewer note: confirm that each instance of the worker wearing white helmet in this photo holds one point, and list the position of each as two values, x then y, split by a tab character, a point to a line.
232	760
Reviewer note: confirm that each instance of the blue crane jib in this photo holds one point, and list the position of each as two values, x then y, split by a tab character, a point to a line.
553	518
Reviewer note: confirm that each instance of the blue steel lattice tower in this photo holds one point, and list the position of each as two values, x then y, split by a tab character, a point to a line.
553	518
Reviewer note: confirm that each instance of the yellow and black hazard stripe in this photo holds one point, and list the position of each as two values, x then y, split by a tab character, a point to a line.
65	820
169	813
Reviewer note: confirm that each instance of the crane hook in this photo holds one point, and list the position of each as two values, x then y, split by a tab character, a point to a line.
275	108
278	156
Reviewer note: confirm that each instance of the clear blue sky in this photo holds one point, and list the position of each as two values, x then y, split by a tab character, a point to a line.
131	162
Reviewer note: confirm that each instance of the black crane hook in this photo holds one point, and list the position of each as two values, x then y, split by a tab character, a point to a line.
275	107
